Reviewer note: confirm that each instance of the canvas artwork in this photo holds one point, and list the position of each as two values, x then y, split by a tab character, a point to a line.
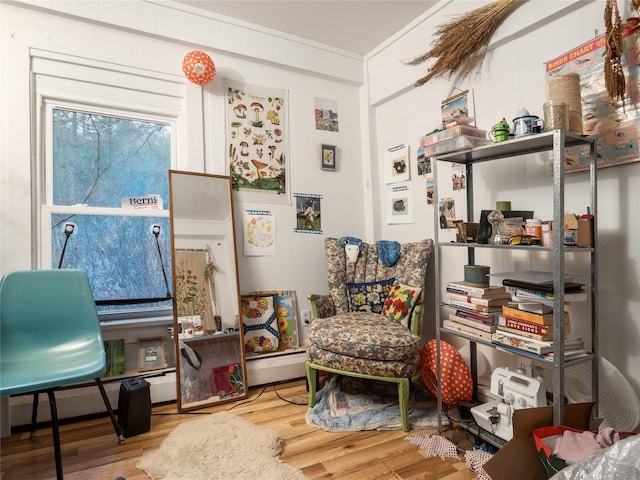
286	311
257	143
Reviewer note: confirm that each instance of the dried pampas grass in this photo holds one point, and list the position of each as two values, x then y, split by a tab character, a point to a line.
462	42
613	72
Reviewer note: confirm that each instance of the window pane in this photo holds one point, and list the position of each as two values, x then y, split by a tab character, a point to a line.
99	159
119	254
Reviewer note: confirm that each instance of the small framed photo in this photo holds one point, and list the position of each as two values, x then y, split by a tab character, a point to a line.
151	355
328	157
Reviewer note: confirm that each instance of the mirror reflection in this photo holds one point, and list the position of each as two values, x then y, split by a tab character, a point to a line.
210	365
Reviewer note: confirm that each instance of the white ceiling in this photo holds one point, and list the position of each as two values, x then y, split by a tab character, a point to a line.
356	26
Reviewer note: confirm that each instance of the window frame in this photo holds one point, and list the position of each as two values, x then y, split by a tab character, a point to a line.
43	193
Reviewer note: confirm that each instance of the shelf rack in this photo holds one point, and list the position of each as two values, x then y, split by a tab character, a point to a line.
556	142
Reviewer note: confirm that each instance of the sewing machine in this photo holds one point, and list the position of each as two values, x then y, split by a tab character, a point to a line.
516	391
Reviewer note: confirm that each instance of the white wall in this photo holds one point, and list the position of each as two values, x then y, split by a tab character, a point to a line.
154	36
511	77
387	111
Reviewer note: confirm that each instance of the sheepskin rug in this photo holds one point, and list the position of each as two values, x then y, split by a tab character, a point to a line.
219	446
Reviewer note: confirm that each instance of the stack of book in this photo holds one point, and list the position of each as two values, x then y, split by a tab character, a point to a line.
532	332
474	308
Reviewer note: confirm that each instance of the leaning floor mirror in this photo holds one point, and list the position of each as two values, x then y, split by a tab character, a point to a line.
210	363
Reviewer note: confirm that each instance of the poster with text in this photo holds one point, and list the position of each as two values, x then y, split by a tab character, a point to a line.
615	125
396	164
257	143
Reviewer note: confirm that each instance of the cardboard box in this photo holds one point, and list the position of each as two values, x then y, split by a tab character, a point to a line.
519	458
585	232
570	221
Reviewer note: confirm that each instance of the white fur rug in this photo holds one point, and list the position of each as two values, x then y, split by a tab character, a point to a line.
219	446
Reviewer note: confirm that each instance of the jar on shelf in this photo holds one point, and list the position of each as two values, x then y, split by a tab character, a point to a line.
533	227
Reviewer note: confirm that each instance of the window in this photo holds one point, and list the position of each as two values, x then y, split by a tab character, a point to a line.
97	162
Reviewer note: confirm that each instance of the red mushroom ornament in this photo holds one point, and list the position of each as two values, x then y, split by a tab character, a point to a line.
198	67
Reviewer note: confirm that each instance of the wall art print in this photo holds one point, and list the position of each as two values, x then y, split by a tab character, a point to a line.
326	114
257	143
400	205
614	125
396	164
308	213
259	228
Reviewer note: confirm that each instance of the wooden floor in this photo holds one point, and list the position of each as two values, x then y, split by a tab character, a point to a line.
90	449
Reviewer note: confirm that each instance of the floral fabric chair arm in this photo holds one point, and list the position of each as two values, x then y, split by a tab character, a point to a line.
322	306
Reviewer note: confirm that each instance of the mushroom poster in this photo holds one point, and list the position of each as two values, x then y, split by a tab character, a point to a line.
257	143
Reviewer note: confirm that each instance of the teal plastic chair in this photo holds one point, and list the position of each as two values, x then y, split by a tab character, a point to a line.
49	337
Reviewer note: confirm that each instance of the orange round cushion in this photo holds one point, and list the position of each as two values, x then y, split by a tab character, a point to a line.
456	376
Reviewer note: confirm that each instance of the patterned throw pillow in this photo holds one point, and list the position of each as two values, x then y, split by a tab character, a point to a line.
368	297
259	324
400	302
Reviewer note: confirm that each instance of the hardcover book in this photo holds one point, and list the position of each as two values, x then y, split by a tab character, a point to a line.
478	324
489	302
532	346
481	292
472	332
544	319
544	332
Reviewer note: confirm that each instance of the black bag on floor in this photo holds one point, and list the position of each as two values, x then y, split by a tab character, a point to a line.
134	406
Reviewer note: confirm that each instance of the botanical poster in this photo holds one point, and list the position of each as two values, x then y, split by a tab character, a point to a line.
259	228
194	288
615	126
257	143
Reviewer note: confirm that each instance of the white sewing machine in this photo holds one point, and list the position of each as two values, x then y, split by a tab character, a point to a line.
516	391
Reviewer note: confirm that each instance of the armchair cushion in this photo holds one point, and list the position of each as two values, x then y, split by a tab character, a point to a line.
368	296
364	366
351	335
400	302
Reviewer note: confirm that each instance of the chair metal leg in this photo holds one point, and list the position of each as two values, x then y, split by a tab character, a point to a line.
56	433
34	416
116	425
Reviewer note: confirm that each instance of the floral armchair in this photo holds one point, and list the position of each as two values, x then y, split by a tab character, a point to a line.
368	325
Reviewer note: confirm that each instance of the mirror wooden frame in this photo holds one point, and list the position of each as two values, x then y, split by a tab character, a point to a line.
208	338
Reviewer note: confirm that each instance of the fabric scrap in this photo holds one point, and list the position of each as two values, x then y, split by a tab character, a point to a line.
388	251
434	446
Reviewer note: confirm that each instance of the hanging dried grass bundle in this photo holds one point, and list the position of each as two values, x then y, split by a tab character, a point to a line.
613	73
462	42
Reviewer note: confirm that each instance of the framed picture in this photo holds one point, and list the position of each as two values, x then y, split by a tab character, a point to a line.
151	354
328	157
